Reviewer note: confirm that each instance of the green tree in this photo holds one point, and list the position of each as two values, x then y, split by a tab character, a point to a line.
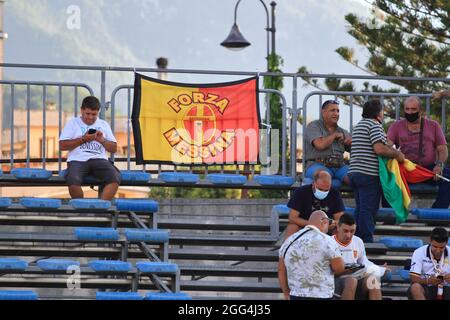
403	39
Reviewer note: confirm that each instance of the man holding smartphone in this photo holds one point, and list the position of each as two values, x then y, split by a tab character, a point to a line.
87	139
430	269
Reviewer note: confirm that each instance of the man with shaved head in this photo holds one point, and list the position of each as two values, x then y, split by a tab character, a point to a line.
308	260
319	195
423	142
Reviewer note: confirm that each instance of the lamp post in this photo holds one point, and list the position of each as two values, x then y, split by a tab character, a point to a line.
236	41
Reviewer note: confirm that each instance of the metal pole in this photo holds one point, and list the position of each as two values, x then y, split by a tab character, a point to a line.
272	29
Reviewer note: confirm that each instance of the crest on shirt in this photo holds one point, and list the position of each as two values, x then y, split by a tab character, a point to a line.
355	254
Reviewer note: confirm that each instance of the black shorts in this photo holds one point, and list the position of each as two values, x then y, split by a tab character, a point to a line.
431	292
102	169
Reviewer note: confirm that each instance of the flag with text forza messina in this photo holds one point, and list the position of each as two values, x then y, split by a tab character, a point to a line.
181	123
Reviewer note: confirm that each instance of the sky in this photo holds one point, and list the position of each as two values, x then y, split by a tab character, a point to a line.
134	33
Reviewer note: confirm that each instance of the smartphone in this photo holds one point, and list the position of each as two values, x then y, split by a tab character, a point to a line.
92	131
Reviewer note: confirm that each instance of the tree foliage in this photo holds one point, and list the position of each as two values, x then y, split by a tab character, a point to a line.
403	39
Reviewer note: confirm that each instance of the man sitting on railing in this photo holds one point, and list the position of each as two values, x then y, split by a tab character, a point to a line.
423	142
88	138
326	143
317	196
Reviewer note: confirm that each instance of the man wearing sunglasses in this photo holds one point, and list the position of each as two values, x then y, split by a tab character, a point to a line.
325	145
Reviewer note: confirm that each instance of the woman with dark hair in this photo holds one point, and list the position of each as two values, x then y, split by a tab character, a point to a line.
368	142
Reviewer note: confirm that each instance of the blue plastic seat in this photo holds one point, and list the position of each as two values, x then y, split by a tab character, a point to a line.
96	204
401	242
13	264
38	203
226	179
155	267
167	296
93	233
437	214
18	295
147	235
179	177
56	264
118	296
5	202
137	205
134	176
30	173
109	265
281	209
404	274
274	180
349	210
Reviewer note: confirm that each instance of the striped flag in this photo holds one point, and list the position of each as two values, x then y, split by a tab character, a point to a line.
181	123
394	178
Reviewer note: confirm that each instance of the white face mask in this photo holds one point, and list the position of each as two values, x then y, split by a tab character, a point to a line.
319	194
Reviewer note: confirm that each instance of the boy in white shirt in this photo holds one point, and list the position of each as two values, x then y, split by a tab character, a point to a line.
88	138
361	284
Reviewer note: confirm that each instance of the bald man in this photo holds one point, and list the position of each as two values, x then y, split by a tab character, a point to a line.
308	260
319	195
423	142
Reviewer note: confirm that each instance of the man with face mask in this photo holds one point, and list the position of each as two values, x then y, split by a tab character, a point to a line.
423	142
430	269
319	195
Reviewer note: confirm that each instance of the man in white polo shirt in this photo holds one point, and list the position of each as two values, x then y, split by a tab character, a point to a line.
364	283
308	259
430	269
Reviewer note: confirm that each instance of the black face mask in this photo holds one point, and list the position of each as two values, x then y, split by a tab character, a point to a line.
412	117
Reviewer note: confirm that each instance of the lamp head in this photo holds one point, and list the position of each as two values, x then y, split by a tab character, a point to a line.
235	40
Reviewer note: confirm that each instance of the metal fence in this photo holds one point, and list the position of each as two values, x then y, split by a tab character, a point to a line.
19	153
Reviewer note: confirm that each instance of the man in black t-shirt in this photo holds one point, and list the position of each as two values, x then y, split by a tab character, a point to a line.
317	196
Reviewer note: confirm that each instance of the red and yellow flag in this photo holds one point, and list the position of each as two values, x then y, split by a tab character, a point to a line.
179	123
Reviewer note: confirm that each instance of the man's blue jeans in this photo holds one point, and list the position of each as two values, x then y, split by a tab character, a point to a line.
367	191
337	174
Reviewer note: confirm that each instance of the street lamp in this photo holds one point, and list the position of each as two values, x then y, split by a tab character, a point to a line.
236	41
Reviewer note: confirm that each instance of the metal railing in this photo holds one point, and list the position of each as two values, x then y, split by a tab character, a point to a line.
290	110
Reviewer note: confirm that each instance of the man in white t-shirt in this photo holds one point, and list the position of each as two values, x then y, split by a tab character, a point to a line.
430	269
308	259
364	283
88	139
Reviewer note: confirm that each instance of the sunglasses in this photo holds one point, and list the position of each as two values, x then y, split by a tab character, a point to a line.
329	102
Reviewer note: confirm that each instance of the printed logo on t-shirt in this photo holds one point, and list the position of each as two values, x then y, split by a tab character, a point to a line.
92	147
317	205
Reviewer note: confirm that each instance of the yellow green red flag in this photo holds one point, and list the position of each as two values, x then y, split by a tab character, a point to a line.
394	178
181	123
